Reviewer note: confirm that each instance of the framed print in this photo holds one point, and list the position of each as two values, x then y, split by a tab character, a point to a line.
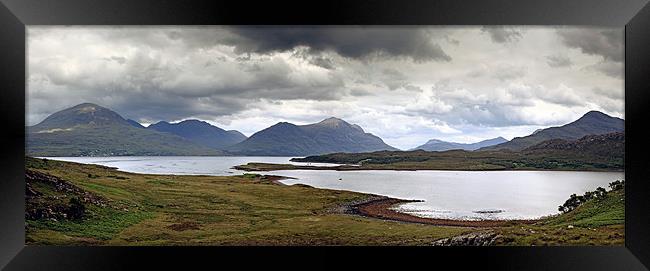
506	132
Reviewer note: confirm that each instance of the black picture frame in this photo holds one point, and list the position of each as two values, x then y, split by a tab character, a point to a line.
633	15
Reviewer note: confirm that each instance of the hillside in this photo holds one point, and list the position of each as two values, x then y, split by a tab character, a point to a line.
328	136
91	130
200	132
610	145
592	123
593	152
78	204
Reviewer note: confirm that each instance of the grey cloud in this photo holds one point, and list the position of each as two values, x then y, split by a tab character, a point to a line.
351	42
152	88
508	72
609	93
609	68
394	79
357	92
558	61
453	41
316	59
499	108
502	34
412	88
118	59
323	62
605	43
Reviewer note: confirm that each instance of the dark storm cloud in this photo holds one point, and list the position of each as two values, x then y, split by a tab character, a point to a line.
352	42
164	83
502	34
605	43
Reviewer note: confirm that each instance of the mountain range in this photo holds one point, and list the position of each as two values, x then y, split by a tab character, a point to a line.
328	136
439	145
91	130
591	123
200	132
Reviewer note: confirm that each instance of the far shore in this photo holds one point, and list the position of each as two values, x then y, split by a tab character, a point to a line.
274	167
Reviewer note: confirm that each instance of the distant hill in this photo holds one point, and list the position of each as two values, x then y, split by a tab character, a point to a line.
610	145
200	132
592	152
439	145
91	130
592	123
328	136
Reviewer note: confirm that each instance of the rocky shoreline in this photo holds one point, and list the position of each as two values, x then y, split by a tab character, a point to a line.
380	207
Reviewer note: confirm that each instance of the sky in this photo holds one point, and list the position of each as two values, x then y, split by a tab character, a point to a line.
404	84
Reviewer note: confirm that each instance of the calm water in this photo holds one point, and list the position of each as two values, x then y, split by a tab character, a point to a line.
469	195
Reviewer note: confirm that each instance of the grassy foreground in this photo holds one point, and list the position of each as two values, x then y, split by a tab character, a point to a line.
141	209
596	222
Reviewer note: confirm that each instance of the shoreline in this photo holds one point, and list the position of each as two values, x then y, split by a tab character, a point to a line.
262	167
379	207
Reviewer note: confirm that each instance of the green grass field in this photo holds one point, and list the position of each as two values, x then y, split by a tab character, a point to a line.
251	209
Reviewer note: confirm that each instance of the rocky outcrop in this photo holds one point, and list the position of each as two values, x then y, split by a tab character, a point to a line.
471	239
49	197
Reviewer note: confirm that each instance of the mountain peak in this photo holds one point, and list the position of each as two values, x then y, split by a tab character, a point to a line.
88	108
81	114
594	118
200	132
332	120
195	121
86	105
434	141
283	123
327	136
594	113
591	123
